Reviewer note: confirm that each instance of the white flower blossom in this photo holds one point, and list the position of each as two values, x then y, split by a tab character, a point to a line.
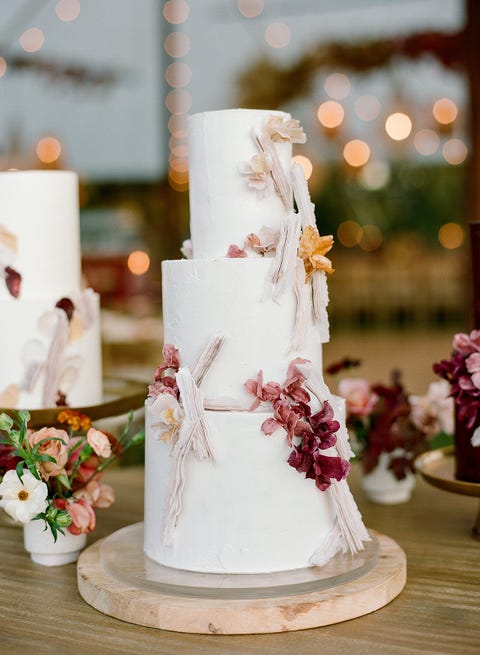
23	499
475	440
167	415
186	249
434	412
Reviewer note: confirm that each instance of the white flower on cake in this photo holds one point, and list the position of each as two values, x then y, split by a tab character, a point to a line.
167	415
257	171
265	241
24	498
186	249
285	129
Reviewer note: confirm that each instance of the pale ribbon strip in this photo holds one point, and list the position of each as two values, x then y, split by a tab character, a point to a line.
193	435
349	520
280	179
284	264
54	357
306	209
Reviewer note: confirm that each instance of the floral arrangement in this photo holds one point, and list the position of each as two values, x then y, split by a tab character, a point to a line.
385	419
462	373
164	394
55	474
309	434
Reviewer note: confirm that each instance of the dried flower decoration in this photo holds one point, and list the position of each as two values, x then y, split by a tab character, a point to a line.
257	172
312	249
7	239
234	252
187	249
13	280
265	241
285	129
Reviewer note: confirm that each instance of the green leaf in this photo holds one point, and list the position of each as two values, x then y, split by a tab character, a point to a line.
63	479
20	470
6	422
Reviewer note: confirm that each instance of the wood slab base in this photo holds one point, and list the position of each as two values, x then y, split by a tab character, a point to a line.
99	588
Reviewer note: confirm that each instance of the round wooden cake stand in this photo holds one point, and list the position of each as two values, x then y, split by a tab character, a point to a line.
123	583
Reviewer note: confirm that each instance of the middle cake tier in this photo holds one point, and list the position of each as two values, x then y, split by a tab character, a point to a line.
233	298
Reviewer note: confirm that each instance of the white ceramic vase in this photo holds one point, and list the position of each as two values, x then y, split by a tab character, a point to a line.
44	550
381	486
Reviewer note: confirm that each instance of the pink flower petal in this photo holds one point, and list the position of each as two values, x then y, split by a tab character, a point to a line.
234	252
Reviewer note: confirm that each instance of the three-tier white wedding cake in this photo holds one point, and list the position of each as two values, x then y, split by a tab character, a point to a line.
50	350
246	448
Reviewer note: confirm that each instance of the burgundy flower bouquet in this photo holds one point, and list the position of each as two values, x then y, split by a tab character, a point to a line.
462	372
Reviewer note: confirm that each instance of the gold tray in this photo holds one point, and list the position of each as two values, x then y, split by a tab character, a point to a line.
119	397
437	467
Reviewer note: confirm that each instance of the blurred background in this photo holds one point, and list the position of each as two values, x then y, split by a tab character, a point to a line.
388	93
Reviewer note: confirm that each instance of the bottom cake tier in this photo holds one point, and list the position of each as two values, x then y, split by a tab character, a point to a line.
245	511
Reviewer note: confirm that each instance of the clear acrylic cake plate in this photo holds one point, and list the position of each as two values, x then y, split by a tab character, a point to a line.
118	579
123	558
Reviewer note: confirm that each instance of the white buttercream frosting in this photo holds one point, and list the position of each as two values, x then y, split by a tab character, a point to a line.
247	511
231	297
40	239
223	208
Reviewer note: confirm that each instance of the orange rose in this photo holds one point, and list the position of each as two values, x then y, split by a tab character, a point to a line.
55	444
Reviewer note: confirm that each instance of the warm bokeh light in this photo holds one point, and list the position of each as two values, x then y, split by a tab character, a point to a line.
179	149
337	86
277	35
398	126
330	114
349	233
454	151
374	175
372	238
451	236
356	152
250	8
305	163
178	180
178	125
178	101
32	40
176	11
367	107
67	10
445	111
48	149
179	165
178	74
138	262
3	66
426	142
177	44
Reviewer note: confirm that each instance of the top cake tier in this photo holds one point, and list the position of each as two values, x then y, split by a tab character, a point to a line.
40	232
223	208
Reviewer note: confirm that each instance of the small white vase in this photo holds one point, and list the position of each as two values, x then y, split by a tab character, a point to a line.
381	486
44	550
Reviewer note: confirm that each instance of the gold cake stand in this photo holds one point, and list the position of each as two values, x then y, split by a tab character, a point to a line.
119	397
437	467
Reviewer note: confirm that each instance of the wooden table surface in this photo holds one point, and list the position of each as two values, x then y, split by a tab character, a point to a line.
42	612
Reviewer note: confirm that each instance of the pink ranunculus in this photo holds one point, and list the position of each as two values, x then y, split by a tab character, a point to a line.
83	517
99	442
55	444
360	398
96	494
234	252
473	366
466	344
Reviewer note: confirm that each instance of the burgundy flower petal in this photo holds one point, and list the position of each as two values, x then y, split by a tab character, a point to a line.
13	280
68	307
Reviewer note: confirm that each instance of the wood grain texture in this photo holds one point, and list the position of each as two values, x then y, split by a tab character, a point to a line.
367	594
437	613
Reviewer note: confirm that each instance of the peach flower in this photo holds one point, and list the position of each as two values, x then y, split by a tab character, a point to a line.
55	444
83	517
99	442
358	394
96	494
